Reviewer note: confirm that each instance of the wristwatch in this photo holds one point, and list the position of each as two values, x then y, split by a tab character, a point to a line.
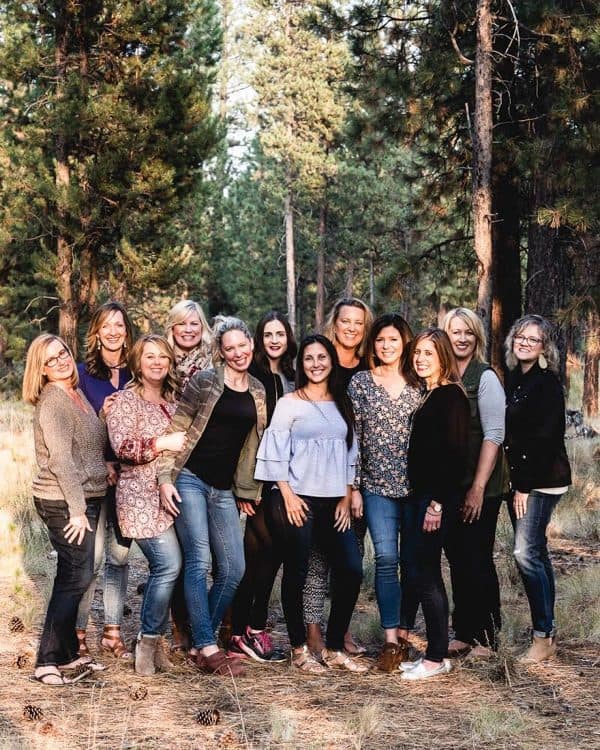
435	507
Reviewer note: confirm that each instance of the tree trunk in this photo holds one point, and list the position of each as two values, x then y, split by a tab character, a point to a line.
320	301
349	290
371	280
290	263
590	365
482	159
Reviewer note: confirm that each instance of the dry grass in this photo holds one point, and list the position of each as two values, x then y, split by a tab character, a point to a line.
493	704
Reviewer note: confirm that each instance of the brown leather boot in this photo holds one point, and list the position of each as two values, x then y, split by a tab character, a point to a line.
541	649
219	663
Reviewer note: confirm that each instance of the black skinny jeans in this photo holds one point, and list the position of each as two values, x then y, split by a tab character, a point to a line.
421	559
469	548
341	550
263	560
74	572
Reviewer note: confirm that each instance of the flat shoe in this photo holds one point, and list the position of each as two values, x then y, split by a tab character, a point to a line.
84	662
457	653
63	680
341	660
406	666
420	672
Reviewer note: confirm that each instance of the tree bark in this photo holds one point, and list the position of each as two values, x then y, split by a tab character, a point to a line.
320	301
590	365
482	159
349	290
290	262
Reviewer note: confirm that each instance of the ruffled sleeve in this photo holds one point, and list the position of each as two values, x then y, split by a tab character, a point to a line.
352	464
274	451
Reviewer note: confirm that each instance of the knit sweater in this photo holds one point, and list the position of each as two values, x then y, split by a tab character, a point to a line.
69	450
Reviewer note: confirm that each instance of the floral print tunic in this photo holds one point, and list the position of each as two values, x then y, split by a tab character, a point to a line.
382	430
133	426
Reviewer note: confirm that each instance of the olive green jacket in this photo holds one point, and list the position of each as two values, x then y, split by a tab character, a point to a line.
193	412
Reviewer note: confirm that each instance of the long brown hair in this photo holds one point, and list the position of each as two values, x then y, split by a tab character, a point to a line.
448	366
94	364
170	384
395	321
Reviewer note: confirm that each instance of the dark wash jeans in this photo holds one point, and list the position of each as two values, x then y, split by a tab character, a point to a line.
340	548
421	557
533	560
74	571
469	548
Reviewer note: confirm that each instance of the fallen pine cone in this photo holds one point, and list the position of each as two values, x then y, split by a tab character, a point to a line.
32	713
15	625
138	693
22	661
208	717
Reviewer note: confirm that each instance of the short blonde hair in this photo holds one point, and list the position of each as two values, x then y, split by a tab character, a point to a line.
547	332
34	378
334	314
178	313
170	386
474	324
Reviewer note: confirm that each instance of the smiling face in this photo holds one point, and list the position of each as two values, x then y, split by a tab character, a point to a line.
236	350
188	334
349	327
388	346
528	344
58	364
426	361
274	339
113	332
316	363
462	338
154	364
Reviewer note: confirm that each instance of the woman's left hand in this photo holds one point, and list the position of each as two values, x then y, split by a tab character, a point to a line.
342	515
112	475
432	521
520	503
356	504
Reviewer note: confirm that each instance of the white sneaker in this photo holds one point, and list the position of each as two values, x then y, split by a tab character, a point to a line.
420	672
406	666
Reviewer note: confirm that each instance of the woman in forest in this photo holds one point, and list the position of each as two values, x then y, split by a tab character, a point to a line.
69	489
223	413
103	373
347	327
189	334
472	531
539	468
137	421
384	401
273	365
437	456
310	451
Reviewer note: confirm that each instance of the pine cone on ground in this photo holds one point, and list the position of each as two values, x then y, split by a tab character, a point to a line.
138	693
22	661
32	713
15	625
208	717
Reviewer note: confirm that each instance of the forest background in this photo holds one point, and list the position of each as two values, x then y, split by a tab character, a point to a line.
278	154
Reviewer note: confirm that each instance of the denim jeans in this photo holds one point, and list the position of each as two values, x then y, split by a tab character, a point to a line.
116	567
422	572
533	560
164	561
469	548
342	551
383	520
208	521
74	570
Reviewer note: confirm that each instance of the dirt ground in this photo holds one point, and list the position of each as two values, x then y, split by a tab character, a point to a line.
496	704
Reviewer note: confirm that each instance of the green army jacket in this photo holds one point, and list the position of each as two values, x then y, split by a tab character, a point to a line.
193	412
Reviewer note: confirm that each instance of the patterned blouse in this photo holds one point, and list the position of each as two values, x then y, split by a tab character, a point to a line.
133	426
382	430
187	363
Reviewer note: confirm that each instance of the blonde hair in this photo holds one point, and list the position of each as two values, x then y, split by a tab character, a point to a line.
170	385
178	313
474	324
550	350
334	314
34	378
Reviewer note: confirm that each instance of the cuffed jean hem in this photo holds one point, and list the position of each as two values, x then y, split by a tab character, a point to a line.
541	634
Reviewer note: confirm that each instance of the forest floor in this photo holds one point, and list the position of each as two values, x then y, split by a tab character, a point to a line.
495	704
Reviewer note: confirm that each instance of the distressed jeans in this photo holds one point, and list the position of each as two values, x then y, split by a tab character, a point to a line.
164	561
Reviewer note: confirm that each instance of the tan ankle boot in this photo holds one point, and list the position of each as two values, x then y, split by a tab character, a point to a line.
145	650
540	650
161	660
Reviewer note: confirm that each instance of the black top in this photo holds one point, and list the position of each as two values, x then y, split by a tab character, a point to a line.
214	458
535	430
273	387
348	372
437	451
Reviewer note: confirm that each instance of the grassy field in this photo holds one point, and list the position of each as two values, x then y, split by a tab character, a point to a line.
497	704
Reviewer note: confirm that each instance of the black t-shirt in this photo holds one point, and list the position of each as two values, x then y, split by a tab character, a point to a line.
215	456
437	451
348	372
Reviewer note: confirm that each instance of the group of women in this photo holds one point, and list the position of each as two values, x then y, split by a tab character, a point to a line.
166	441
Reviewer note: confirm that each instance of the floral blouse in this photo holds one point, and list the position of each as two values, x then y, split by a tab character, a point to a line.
382	430
133	426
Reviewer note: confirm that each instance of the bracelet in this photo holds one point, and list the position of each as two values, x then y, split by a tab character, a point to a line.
433	512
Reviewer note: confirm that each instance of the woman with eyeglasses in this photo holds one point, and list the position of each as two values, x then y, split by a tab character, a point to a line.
539	468
69	489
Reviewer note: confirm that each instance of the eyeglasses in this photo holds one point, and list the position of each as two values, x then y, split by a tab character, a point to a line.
61	356
529	340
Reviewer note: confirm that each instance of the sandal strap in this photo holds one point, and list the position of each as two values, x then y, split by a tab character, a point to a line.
341	660
305	661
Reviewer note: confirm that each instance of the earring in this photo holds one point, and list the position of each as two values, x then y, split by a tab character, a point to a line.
542	362
98	343
124	346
